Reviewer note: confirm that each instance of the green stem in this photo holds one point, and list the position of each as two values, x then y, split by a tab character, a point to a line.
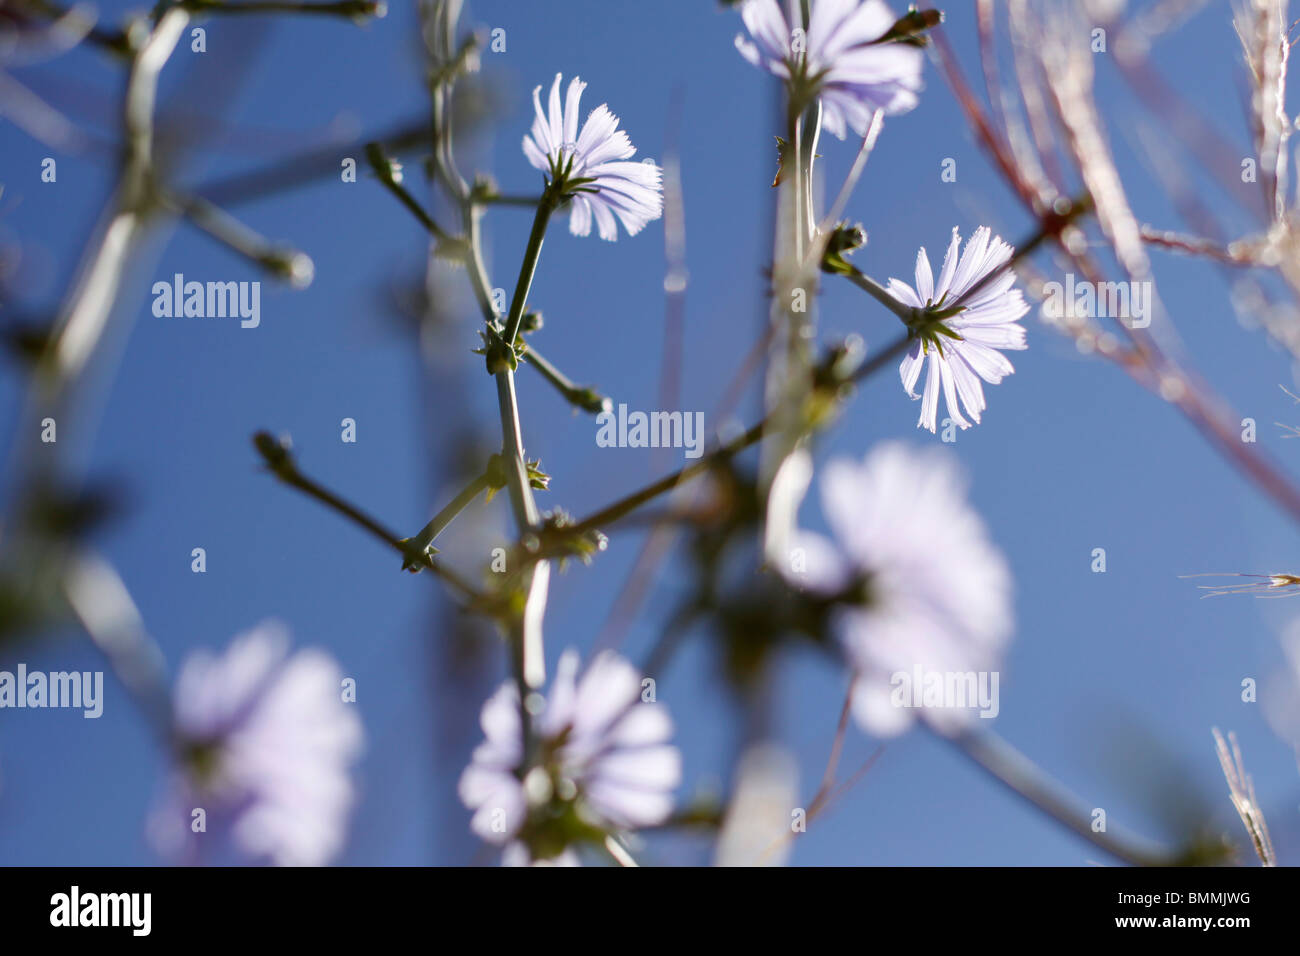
529	662
625	506
428	534
528	267
635	500
580	396
880	294
526	634
525	630
499	200
1052	225
283	466
383	168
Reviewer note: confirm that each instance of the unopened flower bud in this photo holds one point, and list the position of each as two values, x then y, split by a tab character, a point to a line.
843	240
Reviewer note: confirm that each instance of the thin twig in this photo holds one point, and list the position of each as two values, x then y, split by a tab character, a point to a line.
388	174
584	397
624	506
282	465
1020	775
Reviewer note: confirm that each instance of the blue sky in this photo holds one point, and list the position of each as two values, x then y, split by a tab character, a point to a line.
1113	680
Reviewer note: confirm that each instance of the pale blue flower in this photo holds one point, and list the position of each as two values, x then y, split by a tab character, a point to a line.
603	759
265	742
838	57
917	580
960	327
593	166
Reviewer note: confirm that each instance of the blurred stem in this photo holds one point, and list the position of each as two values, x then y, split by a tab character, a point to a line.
86	315
284	262
618	852
855	172
102	604
350	9
311	164
114	41
833	761
1019	774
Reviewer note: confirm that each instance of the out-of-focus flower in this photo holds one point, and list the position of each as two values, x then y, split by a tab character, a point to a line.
593	168
602	763
839	59
1281	692
919	589
516	854
265	743
960	323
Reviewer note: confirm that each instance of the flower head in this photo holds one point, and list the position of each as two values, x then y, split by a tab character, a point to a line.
592	168
602	762
919	587
839	59
265	741
960	323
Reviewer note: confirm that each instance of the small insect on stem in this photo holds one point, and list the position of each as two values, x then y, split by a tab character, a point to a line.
1271	585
